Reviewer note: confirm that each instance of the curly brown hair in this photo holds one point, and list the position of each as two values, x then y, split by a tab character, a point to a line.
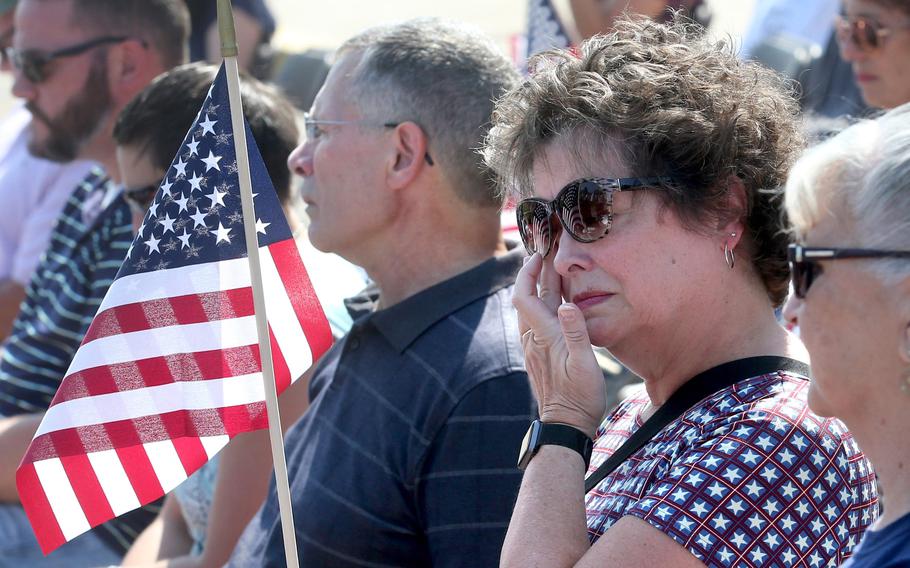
673	103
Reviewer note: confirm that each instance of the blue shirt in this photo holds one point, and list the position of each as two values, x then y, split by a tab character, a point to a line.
407	454
87	247
886	548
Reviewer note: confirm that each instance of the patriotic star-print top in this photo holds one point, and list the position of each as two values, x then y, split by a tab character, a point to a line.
747	477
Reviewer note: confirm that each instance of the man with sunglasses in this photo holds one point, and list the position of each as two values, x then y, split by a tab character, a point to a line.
404	456
76	64
32	194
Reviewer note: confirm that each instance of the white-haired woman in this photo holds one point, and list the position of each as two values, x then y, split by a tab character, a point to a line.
849	202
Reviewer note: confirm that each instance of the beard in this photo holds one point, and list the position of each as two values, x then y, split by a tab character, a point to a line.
77	121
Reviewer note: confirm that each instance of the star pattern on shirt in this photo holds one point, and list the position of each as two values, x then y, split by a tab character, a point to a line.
776	487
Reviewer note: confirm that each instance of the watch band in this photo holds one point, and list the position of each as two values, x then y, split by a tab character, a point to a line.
547	434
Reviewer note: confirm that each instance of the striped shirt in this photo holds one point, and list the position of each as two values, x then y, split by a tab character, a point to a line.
87	246
406	456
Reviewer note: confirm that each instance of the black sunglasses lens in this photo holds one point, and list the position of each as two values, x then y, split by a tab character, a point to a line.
141	198
587	210
803	275
32	66
534	226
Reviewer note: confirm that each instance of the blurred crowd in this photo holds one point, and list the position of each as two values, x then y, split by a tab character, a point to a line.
667	274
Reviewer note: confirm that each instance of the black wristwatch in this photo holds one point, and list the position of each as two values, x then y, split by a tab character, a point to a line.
543	433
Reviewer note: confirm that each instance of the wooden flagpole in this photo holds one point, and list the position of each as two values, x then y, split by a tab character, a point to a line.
229	52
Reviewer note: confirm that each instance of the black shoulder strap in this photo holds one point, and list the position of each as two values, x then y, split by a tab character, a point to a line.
688	395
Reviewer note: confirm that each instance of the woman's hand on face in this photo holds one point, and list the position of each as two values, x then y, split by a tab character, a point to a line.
564	373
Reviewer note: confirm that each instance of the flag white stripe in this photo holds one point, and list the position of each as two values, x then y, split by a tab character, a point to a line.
163	341
213	444
283	319
181	281
150	401
166	463
114	481
62	498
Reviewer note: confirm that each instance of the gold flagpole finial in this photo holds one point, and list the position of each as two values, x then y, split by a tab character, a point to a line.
226	29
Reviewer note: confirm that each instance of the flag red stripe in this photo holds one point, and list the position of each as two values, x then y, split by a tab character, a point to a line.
165	312
282	373
133	375
38	508
303	297
88	490
191	452
140	472
229	421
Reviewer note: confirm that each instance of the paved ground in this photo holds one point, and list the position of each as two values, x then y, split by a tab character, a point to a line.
312	23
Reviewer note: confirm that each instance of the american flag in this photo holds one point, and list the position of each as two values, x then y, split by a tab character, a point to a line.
169	370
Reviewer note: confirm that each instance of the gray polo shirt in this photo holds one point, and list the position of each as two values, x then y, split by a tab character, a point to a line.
407	454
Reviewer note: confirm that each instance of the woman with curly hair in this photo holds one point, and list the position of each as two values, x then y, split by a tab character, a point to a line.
648	168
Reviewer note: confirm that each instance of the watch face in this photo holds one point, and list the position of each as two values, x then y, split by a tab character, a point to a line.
529	445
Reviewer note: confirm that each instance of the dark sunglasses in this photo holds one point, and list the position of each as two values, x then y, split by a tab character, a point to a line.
311	128
863	33
33	63
805	266
140	198
584	207
5	39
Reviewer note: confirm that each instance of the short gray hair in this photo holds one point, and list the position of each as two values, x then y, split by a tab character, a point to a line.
443	76
865	169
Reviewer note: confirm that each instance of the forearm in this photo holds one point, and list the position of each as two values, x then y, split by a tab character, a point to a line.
11	295
243	479
167	537
16	433
548	525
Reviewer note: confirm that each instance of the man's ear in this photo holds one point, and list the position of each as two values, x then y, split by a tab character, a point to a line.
410	147
130	67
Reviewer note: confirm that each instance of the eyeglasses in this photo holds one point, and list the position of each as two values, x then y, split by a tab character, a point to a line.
311	128
805	266
863	33
584	208
140	198
33	63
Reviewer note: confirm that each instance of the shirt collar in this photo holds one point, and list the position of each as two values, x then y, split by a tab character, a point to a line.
404	322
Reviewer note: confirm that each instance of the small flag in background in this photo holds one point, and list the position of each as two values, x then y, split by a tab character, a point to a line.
170	370
545	29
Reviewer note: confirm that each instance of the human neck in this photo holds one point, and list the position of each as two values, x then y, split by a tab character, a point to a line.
428	252
668	358
882	437
104	153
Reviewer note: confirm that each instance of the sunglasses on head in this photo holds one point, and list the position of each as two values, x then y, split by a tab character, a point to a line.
805	266
140	198
584	208
863	33
33	63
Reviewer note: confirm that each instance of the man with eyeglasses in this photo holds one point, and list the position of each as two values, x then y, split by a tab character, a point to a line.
76	64
404	457
32	194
